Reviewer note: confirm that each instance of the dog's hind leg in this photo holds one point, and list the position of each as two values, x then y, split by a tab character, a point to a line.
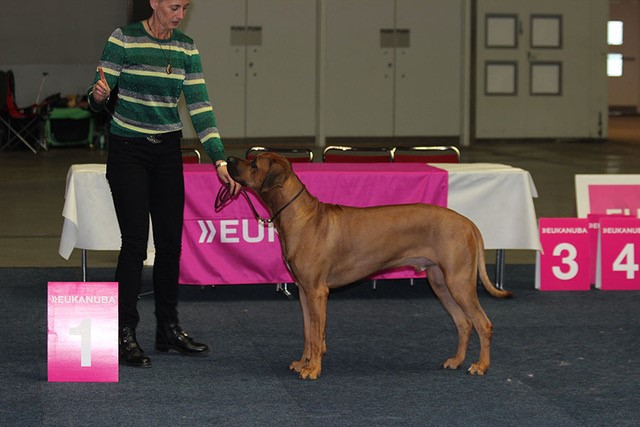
462	322
484	329
466	296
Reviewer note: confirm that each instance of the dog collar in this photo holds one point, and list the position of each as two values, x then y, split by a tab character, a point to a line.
270	220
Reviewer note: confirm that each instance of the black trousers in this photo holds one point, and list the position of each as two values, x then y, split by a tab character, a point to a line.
146	179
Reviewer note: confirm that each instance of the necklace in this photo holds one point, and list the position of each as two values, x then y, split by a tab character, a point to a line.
168	68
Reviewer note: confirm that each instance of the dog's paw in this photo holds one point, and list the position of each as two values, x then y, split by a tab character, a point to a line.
476	369
309	374
451	364
296	365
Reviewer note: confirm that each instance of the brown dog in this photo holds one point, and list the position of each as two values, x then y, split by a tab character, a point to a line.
327	246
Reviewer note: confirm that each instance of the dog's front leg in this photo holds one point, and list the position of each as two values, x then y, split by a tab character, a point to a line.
297	365
314	311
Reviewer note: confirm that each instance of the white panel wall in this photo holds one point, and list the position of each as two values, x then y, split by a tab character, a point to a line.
579	110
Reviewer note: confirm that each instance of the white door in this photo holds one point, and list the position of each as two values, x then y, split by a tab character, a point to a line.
259	62
539	69
393	67
214	26
281	68
359	72
429	70
624	91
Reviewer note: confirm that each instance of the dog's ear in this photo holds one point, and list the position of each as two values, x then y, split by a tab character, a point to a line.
275	176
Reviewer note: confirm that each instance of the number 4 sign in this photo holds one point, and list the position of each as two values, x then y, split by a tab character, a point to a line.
617	267
563	264
82	332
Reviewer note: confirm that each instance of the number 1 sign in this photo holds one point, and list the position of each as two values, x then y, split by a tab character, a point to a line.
619	254
563	264
82	332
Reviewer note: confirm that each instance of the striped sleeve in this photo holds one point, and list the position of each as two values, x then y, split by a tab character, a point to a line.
200	108
111	63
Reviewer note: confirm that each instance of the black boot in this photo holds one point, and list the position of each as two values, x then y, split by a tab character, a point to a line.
170	336
131	354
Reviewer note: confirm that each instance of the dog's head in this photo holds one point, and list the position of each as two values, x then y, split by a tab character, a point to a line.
262	173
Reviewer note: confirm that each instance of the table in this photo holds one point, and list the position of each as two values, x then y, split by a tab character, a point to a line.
498	198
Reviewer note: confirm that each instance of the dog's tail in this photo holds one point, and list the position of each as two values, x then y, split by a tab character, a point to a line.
482	270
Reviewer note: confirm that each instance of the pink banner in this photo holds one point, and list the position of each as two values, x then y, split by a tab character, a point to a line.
612	199
232	247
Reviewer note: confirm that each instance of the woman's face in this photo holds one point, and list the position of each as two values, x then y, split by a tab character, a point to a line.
169	13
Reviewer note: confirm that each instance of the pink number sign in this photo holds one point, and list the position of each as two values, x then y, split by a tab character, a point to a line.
619	254
563	264
82	334
594	234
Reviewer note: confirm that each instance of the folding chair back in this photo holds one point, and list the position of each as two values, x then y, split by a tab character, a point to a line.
294	155
4	82
347	154
190	155
427	154
23	125
10	102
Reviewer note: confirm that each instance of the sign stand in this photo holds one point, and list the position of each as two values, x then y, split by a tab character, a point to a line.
82	334
563	263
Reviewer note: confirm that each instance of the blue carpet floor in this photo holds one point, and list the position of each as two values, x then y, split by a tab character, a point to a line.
563	358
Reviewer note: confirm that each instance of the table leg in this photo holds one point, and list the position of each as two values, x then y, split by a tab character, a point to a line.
499	281
283	287
84	265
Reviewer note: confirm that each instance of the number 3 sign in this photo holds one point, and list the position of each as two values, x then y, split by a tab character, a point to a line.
82	332
618	254
563	264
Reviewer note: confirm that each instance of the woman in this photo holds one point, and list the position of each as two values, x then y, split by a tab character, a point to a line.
151	63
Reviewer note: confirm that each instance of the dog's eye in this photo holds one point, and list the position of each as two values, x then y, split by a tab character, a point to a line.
253	163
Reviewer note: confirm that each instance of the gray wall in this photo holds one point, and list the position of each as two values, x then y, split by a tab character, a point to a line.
62	38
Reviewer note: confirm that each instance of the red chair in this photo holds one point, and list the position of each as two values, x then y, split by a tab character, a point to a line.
294	155
21	125
427	154
190	155
347	154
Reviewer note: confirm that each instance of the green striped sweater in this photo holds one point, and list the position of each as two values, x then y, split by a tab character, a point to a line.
136	63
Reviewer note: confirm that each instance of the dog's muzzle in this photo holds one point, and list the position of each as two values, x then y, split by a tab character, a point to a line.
232	168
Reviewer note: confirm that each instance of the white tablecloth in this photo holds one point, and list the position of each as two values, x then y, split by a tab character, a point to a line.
89	216
498	198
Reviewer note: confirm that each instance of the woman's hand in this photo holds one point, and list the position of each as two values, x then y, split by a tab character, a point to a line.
101	89
223	174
